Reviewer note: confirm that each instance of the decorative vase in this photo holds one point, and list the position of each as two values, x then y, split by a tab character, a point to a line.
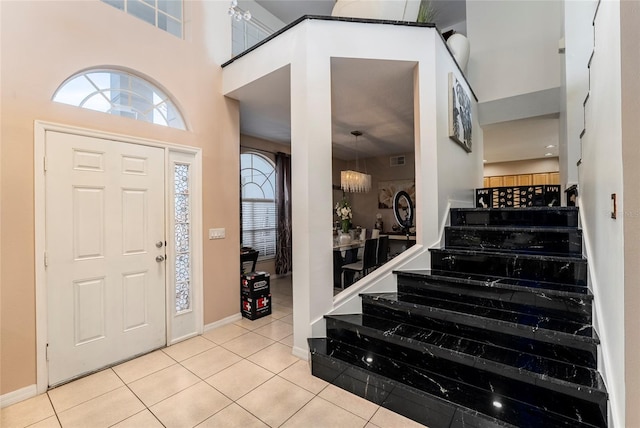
344	238
345	226
459	45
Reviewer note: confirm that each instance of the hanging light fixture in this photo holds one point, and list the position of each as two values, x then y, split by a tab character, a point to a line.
237	14
355	181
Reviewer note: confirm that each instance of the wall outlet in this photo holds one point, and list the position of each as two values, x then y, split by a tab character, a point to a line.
218	233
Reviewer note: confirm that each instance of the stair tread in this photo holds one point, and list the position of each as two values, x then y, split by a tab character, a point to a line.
496	310
534	369
517	209
523	301
511	228
546	288
346	357
542	257
505	326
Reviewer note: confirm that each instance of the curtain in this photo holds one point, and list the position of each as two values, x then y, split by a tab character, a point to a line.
283	202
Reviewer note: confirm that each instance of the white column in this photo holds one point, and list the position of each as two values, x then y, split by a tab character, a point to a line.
311	189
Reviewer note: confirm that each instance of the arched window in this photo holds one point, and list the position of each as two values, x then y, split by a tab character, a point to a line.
258	180
120	93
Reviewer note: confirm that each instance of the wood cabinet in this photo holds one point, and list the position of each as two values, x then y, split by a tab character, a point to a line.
495	182
525	180
510	180
522	179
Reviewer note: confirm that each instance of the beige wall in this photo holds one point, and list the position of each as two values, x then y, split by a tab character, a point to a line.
43	43
532	166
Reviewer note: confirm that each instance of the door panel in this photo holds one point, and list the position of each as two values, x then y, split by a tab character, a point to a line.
105	289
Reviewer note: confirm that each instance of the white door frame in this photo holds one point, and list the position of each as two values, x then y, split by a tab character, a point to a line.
173	153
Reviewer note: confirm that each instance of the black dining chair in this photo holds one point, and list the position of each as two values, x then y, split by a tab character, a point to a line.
383	250
363	266
248	255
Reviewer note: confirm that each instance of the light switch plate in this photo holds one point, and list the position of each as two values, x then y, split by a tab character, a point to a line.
218	233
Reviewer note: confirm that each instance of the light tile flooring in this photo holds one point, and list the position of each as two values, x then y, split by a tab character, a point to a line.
239	375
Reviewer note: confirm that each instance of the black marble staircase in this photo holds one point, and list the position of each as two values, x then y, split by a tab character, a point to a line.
497	334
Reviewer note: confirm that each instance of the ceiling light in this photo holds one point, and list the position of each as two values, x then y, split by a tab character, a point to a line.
236	13
550	146
369	360
548	154
497	404
355	181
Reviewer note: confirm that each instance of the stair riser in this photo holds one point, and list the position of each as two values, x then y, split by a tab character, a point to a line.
511	266
571	309
568	242
551	289
515	217
482	374
405	400
423	384
585	357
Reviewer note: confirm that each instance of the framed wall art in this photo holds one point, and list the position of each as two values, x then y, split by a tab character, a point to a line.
460	124
388	189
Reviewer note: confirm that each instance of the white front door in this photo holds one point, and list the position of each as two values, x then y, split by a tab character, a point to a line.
105	249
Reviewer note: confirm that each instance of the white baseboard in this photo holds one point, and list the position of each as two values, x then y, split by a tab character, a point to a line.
228	320
300	353
18	395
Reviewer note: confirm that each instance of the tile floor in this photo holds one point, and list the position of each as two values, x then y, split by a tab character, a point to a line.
239	375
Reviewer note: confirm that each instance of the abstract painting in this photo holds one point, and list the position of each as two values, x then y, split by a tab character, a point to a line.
460	124
388	189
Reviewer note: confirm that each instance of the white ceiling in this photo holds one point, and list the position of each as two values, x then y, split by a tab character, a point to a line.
376	98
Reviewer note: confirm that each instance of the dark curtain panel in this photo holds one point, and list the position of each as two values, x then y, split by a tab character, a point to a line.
283	201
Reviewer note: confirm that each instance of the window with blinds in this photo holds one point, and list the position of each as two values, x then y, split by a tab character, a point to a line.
257	174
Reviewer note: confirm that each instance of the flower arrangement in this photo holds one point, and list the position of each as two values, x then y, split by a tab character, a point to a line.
344	213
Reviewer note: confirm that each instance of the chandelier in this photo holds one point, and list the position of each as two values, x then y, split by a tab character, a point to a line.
237	14
355	181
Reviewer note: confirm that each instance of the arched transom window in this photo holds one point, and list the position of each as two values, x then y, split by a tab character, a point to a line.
258	179
120	93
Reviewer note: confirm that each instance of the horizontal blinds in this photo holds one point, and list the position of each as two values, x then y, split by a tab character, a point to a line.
259	226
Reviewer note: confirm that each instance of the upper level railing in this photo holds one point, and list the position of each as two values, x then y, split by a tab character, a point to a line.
245	34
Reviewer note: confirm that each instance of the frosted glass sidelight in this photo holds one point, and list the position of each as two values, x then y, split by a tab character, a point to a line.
181	180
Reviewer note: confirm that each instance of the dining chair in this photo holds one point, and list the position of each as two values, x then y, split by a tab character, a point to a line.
363	266
382	254
248	255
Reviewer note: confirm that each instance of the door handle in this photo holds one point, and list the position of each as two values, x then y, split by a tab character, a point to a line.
159	244
159	259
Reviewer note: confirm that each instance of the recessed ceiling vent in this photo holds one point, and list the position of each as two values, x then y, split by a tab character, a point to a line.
397	161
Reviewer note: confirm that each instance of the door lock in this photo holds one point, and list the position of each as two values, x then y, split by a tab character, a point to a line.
159	259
